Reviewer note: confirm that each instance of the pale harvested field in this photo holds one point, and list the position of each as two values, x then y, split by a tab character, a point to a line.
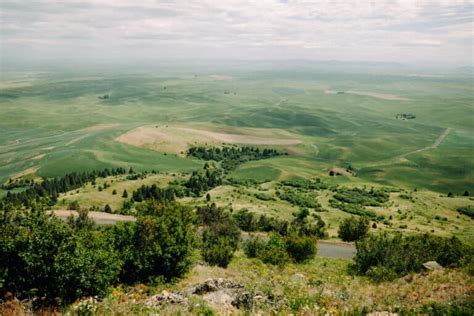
383	96
98	127
177	139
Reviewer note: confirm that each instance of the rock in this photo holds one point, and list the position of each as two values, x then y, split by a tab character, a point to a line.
432	265
166	297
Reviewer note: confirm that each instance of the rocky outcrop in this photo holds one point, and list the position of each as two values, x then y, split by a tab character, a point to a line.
221	294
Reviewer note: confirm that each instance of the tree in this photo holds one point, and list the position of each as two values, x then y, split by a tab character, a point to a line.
353	228
125	194
220	238
450	194
208	197
114	192
466	193
159	244
107	208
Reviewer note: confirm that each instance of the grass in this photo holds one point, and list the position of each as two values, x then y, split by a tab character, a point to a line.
322	284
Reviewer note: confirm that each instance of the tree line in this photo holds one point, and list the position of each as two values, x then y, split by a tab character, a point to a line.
231	156
48	190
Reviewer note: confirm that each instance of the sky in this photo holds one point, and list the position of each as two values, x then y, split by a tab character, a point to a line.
403	31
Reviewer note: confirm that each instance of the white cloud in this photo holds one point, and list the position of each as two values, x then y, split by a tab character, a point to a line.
241	28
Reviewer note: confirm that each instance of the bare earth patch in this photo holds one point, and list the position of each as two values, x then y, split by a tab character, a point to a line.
25	172
383	96
99	217
38	157
98	127
341	172
176	139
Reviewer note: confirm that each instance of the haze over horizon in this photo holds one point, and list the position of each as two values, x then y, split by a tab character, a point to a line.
436	32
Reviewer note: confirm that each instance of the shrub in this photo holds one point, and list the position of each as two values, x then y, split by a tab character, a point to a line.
160	243
253	247
301	248
42	256
220	237
353	228
405	254
467	210
274	251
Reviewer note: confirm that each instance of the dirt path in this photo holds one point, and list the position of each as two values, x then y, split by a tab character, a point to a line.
435	145
101	218
400	158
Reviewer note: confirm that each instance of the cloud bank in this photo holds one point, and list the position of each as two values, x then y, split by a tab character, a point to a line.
406	31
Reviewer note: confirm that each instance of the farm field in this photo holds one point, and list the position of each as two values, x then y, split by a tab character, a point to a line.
53	123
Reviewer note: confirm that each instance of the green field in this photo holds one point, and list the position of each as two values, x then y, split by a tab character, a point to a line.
48	118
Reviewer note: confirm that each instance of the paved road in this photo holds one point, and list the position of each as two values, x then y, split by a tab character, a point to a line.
336	250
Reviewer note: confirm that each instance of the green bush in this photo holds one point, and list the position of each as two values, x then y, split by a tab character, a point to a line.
271	251
160	243
44	257
404	254
220	236
353	228
274	251
253	247
301	248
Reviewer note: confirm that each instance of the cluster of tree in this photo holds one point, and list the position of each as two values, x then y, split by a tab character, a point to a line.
17	183
48	190
153	192
203	180
300	199
353	228
220	235
231	156
301	224
42	256
386	256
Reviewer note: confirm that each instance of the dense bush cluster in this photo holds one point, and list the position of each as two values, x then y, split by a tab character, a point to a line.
361	196
297	243
385	256
303	223
354	209
43	256
220	236
305	184
466	210
278	250
231	156
353	228
300	199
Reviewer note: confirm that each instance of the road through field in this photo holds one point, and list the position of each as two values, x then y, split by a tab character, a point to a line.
435	145
400	158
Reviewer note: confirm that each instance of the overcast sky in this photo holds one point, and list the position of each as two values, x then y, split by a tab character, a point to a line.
406	31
